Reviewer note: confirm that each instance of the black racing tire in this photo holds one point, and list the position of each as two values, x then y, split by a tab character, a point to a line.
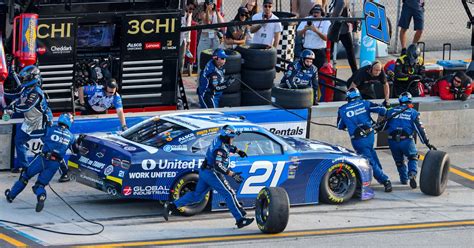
232	64
259	79
272	210
236	85
292	98
230	100
434	173
258	57
249	98
338	95
338	184
185	184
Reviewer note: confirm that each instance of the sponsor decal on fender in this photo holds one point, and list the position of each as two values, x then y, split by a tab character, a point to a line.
109	170
165	164
152	174
94	180
127	190
91	164
150	190
172	148
186	138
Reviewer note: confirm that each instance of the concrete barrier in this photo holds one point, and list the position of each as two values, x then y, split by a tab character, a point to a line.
447	123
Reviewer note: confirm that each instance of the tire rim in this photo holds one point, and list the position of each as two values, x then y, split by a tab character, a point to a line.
263	211
339	182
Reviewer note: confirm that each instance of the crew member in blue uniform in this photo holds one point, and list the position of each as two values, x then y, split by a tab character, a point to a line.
212	82
401	131
97	99
56	141
212	176
30	101
355	117
302	74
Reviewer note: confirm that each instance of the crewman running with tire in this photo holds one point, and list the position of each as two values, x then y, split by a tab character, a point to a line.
401	132
355	117
212	176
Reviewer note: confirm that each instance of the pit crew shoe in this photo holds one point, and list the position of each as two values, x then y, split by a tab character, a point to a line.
40	203
169	208
244	222
15	170
7	195
388	186
64	178
404	182
413	181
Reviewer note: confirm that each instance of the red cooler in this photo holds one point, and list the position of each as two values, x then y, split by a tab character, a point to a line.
433	71
326	94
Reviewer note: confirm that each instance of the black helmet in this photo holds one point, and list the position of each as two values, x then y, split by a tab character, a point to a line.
29	76
306	54
112	84
413	52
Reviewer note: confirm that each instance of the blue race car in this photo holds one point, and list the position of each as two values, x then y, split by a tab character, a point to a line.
159	159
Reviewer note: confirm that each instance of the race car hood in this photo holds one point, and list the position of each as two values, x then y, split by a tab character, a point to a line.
309	146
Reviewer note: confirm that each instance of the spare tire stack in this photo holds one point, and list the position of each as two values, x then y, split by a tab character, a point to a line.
231	96
258	72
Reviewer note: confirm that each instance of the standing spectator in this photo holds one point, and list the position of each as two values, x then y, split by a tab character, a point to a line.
343	31
237	35
252	6
456	86
98	99
314	33
302	74
209	38
300	9
365	78
185	38
267	33
355	117
411	9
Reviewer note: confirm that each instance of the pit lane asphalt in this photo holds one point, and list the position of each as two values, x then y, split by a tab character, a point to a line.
404	217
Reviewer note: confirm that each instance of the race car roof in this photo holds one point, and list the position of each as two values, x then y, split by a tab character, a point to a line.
201	120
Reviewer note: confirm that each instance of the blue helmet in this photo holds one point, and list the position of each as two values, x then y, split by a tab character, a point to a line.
219	53
29	76
66	119
229	131
405	97
306	54
352	94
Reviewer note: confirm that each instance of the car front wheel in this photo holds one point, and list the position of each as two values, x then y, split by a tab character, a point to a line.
338	184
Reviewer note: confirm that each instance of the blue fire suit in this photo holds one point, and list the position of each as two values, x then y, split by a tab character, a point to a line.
32	103
299	77
401	130
212	176
211	85
355	116
56	141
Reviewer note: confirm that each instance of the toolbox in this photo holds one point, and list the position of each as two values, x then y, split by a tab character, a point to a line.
451	66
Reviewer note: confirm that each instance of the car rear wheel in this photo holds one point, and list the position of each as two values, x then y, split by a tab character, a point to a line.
338	184
187	184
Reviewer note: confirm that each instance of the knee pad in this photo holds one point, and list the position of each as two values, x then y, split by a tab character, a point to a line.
413	157
399	163
37	186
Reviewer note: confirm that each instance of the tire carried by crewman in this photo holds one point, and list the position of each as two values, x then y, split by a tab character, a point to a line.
249	98
272	209
338	184
292	98
185	184
434	173
257	56
233	62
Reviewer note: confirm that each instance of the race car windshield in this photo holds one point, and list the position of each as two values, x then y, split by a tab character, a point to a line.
155	133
